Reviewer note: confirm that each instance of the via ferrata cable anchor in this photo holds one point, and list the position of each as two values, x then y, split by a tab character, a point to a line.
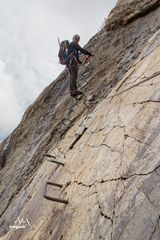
54	161
45	194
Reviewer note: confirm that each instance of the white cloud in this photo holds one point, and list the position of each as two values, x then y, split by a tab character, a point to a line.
28	46
10	111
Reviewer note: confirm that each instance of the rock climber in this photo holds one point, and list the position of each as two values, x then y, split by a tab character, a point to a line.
72	63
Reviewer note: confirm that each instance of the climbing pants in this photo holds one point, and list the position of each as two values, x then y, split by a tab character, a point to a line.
73	71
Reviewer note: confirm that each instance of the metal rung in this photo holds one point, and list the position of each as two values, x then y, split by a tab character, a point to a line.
48	155
52	198
54	161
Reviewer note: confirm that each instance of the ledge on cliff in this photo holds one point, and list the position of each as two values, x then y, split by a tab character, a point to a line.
127	11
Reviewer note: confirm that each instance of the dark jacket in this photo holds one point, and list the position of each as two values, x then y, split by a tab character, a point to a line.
74	49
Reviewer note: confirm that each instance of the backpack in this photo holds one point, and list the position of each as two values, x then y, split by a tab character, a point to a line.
63	52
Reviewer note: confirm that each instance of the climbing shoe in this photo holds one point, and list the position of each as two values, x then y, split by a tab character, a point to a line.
73	93
79	92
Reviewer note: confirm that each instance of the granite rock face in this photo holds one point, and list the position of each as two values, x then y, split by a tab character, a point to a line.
109	145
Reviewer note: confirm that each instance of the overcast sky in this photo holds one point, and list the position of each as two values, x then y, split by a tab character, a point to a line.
28	47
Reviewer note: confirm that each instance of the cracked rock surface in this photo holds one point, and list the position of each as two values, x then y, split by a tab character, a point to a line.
110	148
